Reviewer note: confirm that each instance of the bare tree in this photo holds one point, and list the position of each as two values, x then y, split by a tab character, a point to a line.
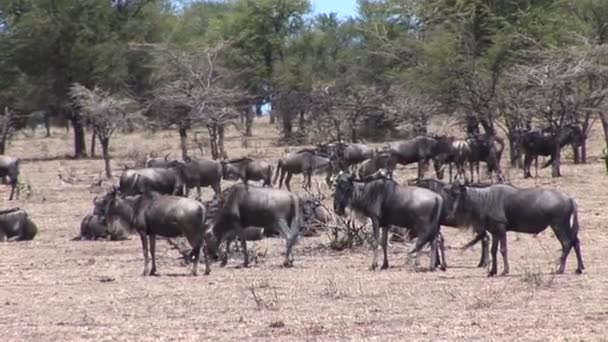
198	90
515	118
103	112
7	128
411	108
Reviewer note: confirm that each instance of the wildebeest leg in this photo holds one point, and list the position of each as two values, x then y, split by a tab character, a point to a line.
495	240
144	243
376	227
478	174
309	180
450	170
503	252
443	265
291	237
224	256
217	188
13	187
198	190
281	178
206	255
485	246
153	253
536	166
384	248
196	253
527	164
562	234
287	180
243	239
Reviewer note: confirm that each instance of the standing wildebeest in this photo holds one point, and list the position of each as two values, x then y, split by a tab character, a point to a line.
305	162
500	208
201	173
535	144
247	169
460	220
458	153
418	150
153	214
488	149
9	167
386	203
273	209
16	225
165	181
160	162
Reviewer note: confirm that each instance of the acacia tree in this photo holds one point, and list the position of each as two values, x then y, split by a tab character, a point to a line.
7	127
103	112
199	90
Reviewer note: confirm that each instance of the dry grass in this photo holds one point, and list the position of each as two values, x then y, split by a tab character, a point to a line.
56	289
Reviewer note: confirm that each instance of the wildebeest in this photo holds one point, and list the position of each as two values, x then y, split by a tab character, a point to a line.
535	143
247	169
459	220
160	162
386	203
273	209
417	150
201	173
167	181
379	160
500	208
153	214
458	153
305	162
16	225
488	149
95	227
9	167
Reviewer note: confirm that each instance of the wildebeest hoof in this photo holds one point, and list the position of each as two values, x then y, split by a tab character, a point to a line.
504	273
491	274
443	268
288	263
373	267
384	267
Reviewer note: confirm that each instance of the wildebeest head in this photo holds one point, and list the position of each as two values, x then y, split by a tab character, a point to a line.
343	193
456	196
119	207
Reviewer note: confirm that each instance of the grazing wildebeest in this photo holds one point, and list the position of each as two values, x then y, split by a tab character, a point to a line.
379	160
160	162
95	227
535	143
460	220
500	208
417	150
304	161
273	209
201	173
488	149
458	153
153	214
9	167
165	181
16	225
386	203
247	169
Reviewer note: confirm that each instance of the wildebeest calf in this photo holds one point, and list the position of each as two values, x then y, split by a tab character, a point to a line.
247	169
16	225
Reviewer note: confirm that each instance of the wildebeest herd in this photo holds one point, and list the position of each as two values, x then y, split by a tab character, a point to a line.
154	200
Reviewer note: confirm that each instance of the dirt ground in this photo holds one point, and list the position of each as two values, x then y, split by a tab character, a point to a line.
56	289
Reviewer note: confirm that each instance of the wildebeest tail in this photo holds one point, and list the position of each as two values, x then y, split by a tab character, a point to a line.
432	231
574	221
549	162
276	172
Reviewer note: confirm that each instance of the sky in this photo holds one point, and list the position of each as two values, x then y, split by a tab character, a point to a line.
343	8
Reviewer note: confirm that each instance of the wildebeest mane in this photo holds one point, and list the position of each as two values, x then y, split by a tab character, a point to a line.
367	195
238	160
8	211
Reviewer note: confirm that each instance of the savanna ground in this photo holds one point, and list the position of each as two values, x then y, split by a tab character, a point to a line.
56	289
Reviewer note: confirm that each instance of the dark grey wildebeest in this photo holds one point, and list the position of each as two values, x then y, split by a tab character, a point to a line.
304	161
458	153
417	150
9	167
165	181
386	203
500	208
273	209
153	214
16	225
379	160
459	220
488	149
247	169
536	143
201	173
95	227
160	162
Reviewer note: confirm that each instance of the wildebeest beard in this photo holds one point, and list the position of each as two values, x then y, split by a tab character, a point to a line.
362	196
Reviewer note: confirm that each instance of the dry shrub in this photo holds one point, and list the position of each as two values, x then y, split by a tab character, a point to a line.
331	290
346	233
264	295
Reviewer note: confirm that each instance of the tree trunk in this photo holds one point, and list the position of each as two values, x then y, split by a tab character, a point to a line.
555	172
47	124
93	137
584	150
220	134
272	116
575	154
249	115
302	122
488	127
213	141
183	142
2	145
79	138
287	128
514	152
105	144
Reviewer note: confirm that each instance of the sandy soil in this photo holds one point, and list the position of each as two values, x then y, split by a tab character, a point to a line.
56	289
